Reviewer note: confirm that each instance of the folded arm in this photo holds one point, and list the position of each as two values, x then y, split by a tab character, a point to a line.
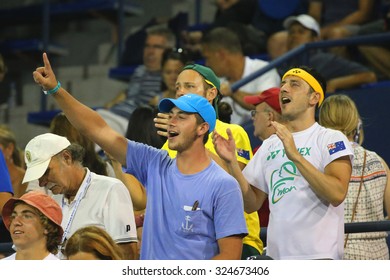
237	96
351	81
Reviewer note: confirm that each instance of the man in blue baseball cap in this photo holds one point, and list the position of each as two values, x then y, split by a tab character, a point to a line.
191	103
194	208
201	80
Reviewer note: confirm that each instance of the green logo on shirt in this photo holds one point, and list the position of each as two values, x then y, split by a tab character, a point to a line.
305	151
279	180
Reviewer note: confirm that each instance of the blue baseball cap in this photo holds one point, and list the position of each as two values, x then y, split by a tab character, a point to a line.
191	103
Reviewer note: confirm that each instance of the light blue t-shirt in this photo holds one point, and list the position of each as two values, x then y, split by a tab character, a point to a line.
171	229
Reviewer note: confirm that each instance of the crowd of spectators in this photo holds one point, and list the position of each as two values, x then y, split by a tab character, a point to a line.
168	163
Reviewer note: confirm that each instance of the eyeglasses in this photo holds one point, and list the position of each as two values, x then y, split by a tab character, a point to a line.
254	112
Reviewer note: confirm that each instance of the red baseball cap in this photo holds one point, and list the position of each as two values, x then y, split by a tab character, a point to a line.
269	96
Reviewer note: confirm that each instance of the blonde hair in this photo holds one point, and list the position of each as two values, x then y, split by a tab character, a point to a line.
7	137
339	112
94	240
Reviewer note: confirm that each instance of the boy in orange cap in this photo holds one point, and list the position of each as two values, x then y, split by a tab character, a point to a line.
34	221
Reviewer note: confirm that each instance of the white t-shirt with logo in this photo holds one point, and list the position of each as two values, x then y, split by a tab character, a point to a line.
301	225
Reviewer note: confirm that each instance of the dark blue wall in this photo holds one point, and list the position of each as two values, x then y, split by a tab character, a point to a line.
373	105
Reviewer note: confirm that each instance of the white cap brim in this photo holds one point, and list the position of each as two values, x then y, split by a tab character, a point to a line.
305	20
35	172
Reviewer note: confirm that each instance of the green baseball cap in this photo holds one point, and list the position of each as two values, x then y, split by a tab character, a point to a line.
206	73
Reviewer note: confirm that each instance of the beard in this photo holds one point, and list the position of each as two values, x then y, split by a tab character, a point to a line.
184	143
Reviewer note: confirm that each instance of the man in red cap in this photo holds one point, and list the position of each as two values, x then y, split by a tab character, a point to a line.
34	221
267	110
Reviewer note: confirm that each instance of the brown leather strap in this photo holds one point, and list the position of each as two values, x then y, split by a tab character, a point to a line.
357	197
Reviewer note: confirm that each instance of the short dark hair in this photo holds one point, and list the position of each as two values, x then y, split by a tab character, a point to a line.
222	37
225	111
320	79
177	55
77	152
200	120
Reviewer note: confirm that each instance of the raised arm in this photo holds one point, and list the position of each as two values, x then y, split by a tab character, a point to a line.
238	96
83	118
332	185
226	149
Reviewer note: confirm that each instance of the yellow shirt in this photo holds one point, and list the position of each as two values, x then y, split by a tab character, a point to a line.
244	154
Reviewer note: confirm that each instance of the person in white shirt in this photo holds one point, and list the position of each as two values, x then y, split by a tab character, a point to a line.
223	53
303	169
86	198
34	221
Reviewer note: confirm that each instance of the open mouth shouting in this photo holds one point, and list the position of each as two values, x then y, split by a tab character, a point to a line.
285	100
172	134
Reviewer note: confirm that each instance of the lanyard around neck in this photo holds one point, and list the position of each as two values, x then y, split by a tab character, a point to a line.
83	188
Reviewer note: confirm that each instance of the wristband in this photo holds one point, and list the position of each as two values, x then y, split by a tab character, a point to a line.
53	90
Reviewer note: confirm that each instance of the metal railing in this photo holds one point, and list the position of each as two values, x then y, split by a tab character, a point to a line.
304	50
356	227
